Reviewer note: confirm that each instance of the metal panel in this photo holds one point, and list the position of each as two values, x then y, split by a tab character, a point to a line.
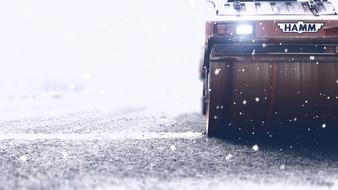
275	8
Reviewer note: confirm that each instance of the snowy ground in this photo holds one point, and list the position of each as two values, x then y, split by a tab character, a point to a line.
105	95
146	148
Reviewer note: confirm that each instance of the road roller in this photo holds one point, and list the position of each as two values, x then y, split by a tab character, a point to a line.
270	68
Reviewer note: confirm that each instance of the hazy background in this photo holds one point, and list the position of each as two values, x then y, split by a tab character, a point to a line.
129	50
70	53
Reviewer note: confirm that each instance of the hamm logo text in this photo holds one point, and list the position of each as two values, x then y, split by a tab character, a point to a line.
300	27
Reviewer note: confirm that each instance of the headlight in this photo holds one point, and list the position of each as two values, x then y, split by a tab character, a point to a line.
234	30
244	29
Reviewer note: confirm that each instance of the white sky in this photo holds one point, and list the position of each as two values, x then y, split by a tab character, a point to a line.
104	44
128	45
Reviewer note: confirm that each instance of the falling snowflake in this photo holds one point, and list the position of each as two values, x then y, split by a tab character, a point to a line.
244	102
64	154
257	99
255	147
282	167
23	158
228	157
87	76
312	58
217	71
71	87
173	147
324	125
164	28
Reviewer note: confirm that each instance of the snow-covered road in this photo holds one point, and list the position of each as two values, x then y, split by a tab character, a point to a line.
105	95
140	148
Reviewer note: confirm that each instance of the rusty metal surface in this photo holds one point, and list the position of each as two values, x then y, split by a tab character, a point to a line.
271	94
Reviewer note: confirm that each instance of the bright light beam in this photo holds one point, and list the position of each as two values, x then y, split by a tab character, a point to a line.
244	29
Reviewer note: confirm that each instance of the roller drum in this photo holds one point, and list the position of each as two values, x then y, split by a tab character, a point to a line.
264	94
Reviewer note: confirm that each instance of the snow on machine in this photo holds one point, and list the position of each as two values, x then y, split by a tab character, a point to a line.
270	66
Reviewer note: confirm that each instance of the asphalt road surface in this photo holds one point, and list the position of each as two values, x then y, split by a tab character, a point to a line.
140	148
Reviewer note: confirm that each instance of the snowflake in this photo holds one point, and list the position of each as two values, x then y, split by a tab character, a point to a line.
217	71
64	154
23	158
282	167
87	76
173	147
324	125
255	147
228	157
